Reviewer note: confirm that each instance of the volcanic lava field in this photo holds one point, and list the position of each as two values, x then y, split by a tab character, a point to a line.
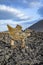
31	55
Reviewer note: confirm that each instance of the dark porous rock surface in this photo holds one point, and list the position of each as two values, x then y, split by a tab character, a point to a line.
31	55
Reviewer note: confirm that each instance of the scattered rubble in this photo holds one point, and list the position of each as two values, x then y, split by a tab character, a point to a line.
31	55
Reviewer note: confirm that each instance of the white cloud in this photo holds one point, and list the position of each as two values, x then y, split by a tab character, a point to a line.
3	24
14	11
24	24
11	22
36	4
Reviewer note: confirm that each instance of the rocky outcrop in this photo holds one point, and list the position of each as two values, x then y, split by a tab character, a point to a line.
37	26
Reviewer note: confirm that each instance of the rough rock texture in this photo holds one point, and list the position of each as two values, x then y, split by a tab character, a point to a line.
37	26
31	55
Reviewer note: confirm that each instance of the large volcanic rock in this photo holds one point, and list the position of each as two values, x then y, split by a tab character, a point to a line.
37	26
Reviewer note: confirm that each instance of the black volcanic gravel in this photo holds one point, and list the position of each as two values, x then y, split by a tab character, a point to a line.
31	55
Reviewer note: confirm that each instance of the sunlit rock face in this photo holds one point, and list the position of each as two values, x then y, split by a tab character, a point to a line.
17	34
30	55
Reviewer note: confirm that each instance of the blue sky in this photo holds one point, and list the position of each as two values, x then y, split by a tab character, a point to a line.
22	12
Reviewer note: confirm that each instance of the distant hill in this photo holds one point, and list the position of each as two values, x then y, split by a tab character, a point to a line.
37	26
